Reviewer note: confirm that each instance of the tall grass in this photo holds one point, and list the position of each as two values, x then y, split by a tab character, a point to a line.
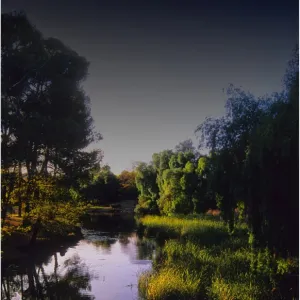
204	262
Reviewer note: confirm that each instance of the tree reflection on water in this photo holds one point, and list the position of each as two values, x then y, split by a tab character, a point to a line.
72	281
112	247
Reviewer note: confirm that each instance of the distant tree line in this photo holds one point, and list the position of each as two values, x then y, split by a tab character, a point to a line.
105	187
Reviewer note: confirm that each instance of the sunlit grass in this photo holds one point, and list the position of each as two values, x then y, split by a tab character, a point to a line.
100	207
169	283
181	225
206	231
204	269
203	260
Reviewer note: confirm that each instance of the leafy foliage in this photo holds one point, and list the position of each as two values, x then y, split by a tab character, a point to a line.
128	190
45	126
148	189
181	183
254	156
250	173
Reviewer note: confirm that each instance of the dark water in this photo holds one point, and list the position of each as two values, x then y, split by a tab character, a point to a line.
104	265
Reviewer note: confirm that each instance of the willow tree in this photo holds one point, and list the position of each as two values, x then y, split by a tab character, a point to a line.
254	161
228	138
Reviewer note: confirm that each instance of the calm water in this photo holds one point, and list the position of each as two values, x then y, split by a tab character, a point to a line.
104	265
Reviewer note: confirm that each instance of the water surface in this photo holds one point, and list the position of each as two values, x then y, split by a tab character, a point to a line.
104	265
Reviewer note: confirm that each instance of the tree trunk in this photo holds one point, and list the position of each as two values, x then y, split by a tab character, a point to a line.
38	284
48	287
6	291
35	231
20	209
22	286
55	267
31	165
44	169
3	213
20	194
31	289
28	190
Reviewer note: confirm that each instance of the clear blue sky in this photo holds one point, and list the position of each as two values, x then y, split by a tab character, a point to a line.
158	69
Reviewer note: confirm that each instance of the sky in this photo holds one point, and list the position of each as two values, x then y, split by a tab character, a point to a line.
158	68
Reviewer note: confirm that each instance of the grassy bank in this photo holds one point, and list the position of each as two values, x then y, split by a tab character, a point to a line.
122	206
200	260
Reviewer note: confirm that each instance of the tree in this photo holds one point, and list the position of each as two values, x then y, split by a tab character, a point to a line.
254	161
228	138
104	187
147	187
272	168
185	146
42	96
128	188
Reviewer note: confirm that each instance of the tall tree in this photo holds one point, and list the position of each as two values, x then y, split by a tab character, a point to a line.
46	122
254	160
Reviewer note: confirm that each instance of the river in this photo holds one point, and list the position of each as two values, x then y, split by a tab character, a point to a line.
104	264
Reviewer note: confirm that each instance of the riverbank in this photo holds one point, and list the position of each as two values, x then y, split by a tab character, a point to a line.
16	236
124	206
46	226
105	261
63	227
201	260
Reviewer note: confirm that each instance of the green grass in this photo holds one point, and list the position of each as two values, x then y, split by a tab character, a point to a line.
100	207
169	283
202	261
